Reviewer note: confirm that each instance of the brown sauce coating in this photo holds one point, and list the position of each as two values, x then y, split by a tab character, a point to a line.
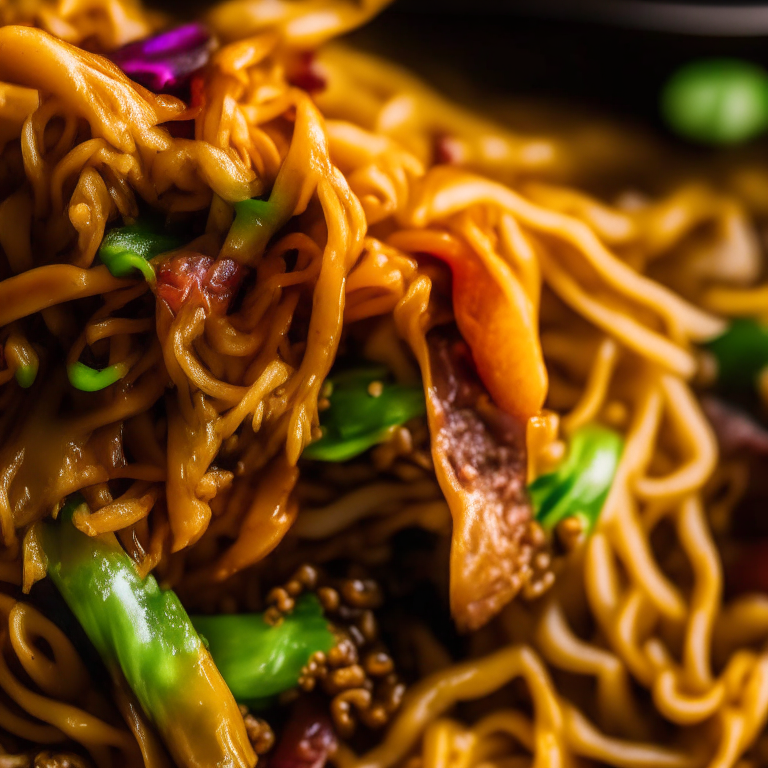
480	453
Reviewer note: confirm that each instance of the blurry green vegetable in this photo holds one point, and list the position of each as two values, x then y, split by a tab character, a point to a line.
363	408
717	101
580	485
87	379
259	660
125	249
143	634
741	354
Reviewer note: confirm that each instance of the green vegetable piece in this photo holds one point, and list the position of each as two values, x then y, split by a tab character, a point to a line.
25	375
741	354
129	248
130	622
88	379
255	222
251	214
363	409
20	357
580	485
717	101
143	634
259	660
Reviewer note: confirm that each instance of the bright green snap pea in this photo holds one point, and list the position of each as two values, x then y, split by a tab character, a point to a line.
579	486
741	354
363	406
717	101
130	248
87	379
259	660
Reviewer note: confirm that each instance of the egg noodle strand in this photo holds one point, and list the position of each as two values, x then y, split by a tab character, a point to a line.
632	659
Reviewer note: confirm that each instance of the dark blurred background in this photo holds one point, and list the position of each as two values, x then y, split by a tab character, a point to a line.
610	55
613	56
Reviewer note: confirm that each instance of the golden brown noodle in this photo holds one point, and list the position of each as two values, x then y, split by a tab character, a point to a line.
625	290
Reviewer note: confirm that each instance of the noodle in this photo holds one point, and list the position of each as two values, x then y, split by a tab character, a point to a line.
380	213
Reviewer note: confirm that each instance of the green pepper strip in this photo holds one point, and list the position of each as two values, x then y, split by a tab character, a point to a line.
88	379
125	249
580	485
741	354
142	633
356	419
259	660
255	222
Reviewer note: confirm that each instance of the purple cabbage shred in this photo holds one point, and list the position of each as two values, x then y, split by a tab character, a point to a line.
165	62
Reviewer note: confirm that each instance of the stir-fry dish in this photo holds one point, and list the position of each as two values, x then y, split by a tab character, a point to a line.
344	425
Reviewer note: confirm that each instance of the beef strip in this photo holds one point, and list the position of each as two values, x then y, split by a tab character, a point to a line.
481	463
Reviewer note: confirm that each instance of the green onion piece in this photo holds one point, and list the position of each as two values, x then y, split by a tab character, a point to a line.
22	358
259	660
26	374
717	101
741	354
129	248
580	485
364	407
144	636
122	264
88	379
250	214
255	222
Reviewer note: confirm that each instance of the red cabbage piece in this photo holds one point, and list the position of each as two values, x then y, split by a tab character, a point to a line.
306	74
165	63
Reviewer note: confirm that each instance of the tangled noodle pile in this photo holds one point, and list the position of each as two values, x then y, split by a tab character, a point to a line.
390	225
